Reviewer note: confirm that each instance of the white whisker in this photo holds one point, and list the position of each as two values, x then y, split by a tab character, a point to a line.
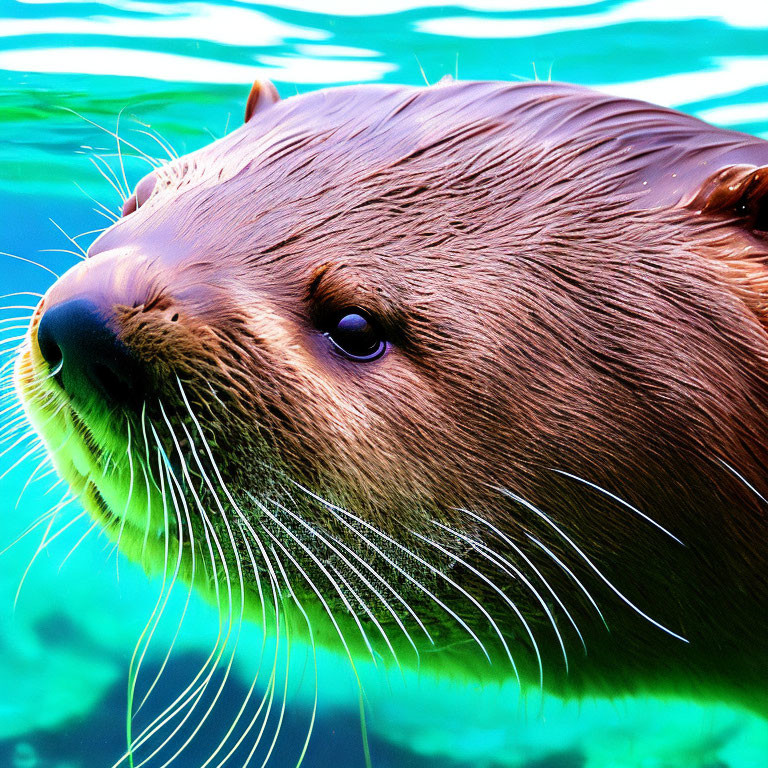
594	568
620	501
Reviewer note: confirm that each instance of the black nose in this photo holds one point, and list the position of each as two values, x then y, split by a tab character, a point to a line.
85	355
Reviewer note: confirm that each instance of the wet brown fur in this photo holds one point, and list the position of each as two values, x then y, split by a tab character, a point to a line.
556	297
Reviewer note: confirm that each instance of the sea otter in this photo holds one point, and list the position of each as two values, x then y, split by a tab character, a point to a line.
471	377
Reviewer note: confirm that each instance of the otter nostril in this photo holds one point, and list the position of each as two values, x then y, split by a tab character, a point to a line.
85	355
49	349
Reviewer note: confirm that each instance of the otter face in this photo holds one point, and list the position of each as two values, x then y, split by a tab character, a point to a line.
431	362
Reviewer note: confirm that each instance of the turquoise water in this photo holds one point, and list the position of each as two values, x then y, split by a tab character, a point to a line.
179	72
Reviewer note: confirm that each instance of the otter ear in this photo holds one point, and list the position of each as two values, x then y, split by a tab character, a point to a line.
263	95
739	194
737	191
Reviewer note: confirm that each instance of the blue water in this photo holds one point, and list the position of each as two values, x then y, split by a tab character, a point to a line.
181	71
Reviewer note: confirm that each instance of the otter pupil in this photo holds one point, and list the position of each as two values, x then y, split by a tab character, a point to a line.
355	337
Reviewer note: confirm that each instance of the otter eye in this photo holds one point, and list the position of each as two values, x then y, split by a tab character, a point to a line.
356	337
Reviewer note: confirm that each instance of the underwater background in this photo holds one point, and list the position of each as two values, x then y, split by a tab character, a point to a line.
172	76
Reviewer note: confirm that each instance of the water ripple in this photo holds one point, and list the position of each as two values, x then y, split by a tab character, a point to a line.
185	57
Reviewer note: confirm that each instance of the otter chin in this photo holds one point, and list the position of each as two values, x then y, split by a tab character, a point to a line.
471	377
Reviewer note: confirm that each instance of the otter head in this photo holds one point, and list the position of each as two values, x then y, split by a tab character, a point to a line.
482	362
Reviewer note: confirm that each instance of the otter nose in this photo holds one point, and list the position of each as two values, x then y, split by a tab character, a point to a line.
85	355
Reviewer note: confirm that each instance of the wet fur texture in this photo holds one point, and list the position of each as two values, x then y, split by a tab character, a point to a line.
562	300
